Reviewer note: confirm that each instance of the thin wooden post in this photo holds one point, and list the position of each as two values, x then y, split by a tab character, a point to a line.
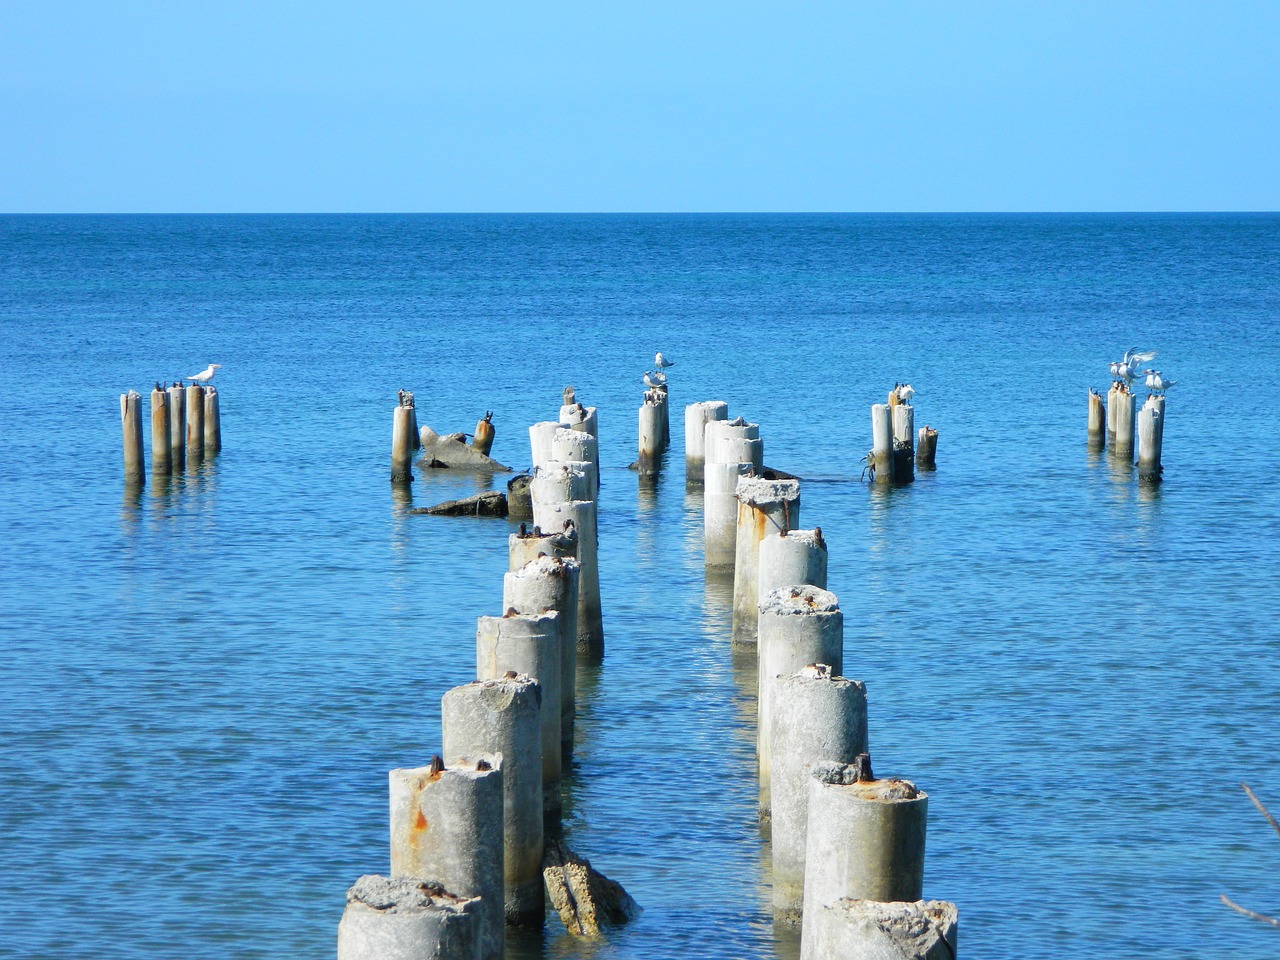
161	455
131	428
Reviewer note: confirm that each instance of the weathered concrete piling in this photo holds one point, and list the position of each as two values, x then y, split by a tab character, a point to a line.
528	544
1097	419
558	481
178	427
869	929
1124	408
733	450
402	440
446	826
764	507
161	453
794	557
799	625
576	446
540	437
405	918
552	516
212	422
816	716
650	444
504	716
1150	438
482	439
880	459
904	439
927	447
131	429
542	585
529	644
866	837
583	419
696	418
519	497
195	422
1111	409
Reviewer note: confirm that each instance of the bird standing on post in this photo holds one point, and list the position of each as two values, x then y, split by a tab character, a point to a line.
654	381
662	362
204	376
1156	383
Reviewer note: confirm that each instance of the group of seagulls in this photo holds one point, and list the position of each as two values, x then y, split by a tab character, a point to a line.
901	393
1126	371
657	379
203	377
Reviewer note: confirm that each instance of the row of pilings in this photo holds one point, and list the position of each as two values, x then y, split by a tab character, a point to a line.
1126	429
186	427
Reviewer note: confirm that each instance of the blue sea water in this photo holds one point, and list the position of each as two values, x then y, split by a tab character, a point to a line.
202	685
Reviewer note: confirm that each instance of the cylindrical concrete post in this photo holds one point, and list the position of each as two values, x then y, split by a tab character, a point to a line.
446	826
1150	438
799	625
1097	416
558	481
161	453
195	422
720	512
866	839
664	415
402	445
1124	423
881	459
551	583
584	420
794	557
131	429
816	716
528	544
904	443
529	644
922	930
927	447
540	437
178	426
1111	408
650	443
212	422
764	507
575	446
552	516
404	918
504	716
519	497
696	417
718	443
482	439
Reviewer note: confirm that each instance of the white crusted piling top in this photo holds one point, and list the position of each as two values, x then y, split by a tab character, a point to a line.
569	439
820	673
810	538
406	895
757	491
499	693
479	767
845	775
799	601
521	624
544	566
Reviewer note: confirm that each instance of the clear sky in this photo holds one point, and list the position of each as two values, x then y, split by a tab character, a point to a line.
486	105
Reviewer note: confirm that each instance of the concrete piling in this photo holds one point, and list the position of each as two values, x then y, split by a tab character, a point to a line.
446	826
720	513
881	457
764	507
1150	438
664	415
730	441
161	453
482	439
798	625
528	544
558	481
529	644
696	417
904	439
1124	410
212	422
544	584
791	558
577	446
816	716
1097	419
405	918
584	420
552	516
503	716
195	423
402	445
866	837
540	437
178	427
650	445
135	472
921	930
927	447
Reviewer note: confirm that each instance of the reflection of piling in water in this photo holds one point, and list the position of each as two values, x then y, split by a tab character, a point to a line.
696	418
1150	438
530	645
816	716
161	453
213	422
544	584
1124	409
792	557
526	545
764	507
446	825
177	427
880	458
503	716
799	625
405	918
866	837
131	429
195	423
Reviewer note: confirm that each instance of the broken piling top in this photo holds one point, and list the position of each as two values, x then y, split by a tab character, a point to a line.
569	445
733	441
405	918
916	930
760	492
540	436
559	481
794	557
532	541
799	600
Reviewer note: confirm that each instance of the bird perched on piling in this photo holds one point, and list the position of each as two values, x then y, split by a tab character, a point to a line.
654	381
1126	369
204	376
905	392
662	362
1156	383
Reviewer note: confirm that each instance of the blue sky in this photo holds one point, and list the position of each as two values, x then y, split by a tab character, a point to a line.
694	106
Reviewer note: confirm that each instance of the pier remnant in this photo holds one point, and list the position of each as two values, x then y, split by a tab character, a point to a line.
552	516
212	422
406	918
696	417
650	444
529	543
764	507
1097	419
177	427
135	472
195	423
1150	438
920	930
585	898
161	453
1125	421
880	459
733	450
795	557
904	440
927	447
451	450
482	439
402	439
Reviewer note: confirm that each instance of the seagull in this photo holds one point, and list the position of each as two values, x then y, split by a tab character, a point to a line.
904	392
1157	383
662	362
654	381
204	376
1127	368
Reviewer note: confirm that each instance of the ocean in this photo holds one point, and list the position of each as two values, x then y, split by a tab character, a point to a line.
203	684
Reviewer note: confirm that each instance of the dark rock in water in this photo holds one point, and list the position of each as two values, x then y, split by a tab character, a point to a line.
453	451
584	897
492	503
519	497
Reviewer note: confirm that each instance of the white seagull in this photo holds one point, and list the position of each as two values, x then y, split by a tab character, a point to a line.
204	376
662	362
1157	383
905	392
1127	368
654	380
